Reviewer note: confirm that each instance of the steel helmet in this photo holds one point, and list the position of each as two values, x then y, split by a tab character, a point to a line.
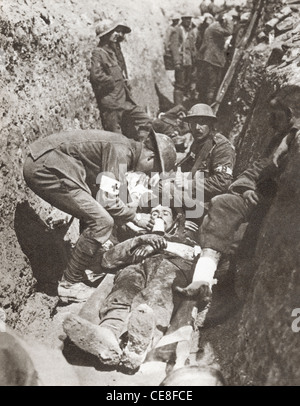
200	110
175	17
166	151
107	26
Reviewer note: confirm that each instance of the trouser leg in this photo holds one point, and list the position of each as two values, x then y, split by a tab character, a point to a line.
132	119
187	80
179	86
226	213
202	81
115	310
214	81
111	120
68	197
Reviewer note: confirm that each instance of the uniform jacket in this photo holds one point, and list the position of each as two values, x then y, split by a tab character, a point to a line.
216	158
79	157
108	80
169	32
183	46
212	48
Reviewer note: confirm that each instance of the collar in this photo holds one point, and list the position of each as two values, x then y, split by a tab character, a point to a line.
108	48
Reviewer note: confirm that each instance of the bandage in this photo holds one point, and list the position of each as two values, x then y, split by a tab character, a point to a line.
206	267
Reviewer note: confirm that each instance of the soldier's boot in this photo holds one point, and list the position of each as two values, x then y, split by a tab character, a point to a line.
141	325
91	338
71	288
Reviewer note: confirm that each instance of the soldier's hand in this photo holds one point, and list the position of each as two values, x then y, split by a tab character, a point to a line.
198	289
156	241
251	197
143	220
141	253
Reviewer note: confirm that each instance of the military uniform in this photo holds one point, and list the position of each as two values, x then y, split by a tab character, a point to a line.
215	156
64	169
213	57
227	212
150	282
183	49
112	94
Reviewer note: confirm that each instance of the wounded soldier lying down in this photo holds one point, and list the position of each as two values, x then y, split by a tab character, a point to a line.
139	309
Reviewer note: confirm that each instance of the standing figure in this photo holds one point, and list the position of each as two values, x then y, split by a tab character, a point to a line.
208	19
168	58
212	55
119	112
182	45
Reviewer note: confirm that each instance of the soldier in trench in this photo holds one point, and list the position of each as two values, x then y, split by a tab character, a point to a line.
250	195
211	154
141	305
108	75
212	56
80	172
182	46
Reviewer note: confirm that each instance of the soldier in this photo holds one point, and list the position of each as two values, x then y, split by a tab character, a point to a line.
81	172
211	153
212	55
182	46
208	19
170	30
119	112
141	302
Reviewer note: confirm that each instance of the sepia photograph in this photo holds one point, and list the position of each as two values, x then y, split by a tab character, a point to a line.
150	189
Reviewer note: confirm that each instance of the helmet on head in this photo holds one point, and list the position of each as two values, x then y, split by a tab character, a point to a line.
200	110
166	151
125	27
107	26
187	16
175	17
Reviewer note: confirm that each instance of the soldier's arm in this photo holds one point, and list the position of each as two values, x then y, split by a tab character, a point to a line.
124	253
98	75
174	47
248	179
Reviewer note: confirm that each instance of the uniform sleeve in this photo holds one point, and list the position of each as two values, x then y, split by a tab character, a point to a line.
222	164
122	254
174	47
249	178
113	186
99	75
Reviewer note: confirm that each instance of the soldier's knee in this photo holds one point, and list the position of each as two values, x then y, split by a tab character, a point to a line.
220	199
